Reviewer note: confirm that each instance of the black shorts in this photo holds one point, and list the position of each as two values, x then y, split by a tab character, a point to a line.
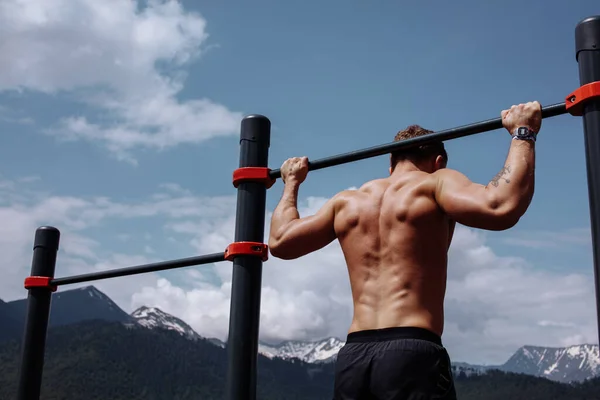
394	363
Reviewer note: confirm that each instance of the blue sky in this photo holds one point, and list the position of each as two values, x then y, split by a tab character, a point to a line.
332	77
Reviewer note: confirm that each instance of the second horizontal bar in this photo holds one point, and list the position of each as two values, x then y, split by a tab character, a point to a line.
448	134
140	269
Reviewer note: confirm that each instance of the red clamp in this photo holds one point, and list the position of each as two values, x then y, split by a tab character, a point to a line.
574	102
253	174
39	282
247	249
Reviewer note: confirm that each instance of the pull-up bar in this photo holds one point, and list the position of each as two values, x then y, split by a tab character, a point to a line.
140	269
248	252
448	134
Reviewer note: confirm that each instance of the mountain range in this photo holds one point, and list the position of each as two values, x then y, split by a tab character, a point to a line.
569	364
103	360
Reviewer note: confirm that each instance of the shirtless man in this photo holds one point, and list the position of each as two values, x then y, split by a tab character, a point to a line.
395	233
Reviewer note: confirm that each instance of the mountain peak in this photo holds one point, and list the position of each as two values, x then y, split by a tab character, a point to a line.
155	318
324	350
144	310
92	292
563	364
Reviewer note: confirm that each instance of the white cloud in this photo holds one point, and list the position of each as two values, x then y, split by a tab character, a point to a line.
22	210
494	307
495	304
123	59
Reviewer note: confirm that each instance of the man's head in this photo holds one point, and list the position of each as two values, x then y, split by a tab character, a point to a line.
429	157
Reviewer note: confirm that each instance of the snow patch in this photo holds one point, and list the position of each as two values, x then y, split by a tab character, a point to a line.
311	352
155	318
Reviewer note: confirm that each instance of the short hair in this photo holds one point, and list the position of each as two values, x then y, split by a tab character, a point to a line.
417	153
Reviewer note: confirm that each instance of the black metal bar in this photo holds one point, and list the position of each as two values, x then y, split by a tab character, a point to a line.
45	248
244	314
448	134
140	269
587	43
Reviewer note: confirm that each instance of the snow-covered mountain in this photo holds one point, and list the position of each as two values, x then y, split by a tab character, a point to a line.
566	364
152	318
310	351
319	351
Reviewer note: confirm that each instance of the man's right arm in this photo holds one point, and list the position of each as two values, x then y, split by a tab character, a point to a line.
502	202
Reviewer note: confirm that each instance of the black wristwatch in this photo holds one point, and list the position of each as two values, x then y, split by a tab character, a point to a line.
524	133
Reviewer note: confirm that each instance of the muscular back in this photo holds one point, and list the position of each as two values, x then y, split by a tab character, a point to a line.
395	232
395	240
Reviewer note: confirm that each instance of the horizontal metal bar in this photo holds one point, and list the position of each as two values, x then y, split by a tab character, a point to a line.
448	134
140	269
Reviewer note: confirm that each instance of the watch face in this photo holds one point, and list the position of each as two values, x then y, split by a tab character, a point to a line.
524	132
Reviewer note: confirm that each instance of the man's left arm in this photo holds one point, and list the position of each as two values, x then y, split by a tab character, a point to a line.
290	236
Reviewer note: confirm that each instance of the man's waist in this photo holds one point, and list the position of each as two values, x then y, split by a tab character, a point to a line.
394	333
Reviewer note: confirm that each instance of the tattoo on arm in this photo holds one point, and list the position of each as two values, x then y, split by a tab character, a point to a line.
501	176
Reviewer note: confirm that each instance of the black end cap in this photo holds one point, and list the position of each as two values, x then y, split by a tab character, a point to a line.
47	236
587	35
256	128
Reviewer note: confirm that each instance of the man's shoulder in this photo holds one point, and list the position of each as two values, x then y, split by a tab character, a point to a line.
445	176
445	172
428	183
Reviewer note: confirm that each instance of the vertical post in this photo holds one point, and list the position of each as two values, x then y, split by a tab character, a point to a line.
244	314
587	43
45	248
